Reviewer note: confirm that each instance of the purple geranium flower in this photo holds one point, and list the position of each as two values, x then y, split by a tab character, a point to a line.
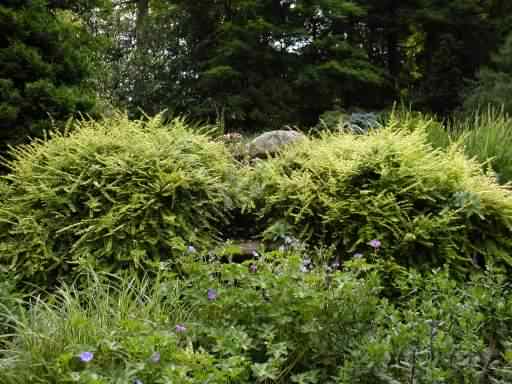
212	294
375	244
85	357
137	381
191	249
155	357
253	268
180	328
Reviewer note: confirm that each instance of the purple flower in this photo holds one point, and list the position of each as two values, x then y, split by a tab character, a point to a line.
191	249
155	357
253	268
180	328
335	264
212	294
85	357
358	255
137	381
375	244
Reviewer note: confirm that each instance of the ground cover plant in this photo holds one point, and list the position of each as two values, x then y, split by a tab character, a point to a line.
269	320
111	195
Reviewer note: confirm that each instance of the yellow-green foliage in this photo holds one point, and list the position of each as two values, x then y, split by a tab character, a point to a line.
113	194
487	135
426	206
126	193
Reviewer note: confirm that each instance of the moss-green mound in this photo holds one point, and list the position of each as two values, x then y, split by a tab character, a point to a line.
427	207
114	194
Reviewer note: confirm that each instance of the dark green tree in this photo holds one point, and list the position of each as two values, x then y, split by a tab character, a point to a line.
457	38
45	64
493	85
254	64
263	64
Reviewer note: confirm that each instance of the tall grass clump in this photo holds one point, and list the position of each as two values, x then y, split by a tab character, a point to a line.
111	194
424	206
108	331
487	136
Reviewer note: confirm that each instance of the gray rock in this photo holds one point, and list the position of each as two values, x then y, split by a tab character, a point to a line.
271	142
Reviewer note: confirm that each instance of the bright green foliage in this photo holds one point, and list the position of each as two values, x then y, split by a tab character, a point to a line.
484	134
487	136
113	194
45	62
268	323
427	207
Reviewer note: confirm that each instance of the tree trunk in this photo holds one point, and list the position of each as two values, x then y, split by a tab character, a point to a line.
140	23
393	52
141	48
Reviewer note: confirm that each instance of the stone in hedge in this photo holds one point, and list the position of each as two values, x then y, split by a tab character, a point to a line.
272	142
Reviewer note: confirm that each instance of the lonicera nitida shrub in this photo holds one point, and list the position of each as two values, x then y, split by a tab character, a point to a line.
112	194
427	207
268	322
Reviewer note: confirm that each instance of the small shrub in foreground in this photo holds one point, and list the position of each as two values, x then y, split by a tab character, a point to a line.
268	321
111	195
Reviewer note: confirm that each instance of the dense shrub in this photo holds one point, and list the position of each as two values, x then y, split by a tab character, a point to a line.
268	322
405	119
427	207
111	194
483	134
487	136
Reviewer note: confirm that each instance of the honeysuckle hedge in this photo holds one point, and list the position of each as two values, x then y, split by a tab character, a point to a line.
111	195
118	194
427	207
